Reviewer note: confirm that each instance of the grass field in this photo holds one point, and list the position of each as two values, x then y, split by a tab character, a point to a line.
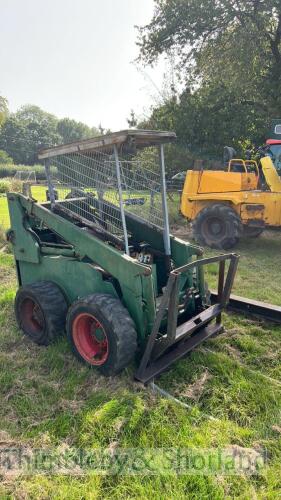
230	386
39	193
4	216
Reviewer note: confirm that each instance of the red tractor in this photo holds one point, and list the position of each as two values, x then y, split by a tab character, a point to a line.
273	144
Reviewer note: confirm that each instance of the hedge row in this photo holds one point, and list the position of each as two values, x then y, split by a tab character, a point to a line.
10	184
11	170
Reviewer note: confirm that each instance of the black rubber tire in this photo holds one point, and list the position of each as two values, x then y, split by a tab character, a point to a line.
118	325
252	232
51	310
225	218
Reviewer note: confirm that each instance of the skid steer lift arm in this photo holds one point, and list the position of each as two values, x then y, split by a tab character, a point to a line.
161	352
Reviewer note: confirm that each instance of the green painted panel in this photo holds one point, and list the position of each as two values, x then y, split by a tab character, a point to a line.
74	270
25	247
76	279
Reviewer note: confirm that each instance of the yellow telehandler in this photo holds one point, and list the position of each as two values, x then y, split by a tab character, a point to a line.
224	205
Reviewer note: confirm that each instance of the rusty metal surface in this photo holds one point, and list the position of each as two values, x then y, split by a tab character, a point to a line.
161	352
256	308
112	180
177	352
136	138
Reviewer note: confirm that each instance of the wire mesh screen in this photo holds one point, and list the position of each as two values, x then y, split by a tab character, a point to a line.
96	187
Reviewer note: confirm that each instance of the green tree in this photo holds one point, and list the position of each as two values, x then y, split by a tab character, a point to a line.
188	27
15	140
3	110
71	130
30	129
5	159
27	131
228	54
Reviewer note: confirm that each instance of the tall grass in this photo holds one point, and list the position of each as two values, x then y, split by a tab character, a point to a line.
50	400
10	184
2	236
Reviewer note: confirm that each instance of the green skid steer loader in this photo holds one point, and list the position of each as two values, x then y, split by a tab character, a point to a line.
97	259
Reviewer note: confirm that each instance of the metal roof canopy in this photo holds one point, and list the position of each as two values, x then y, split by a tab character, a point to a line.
134	138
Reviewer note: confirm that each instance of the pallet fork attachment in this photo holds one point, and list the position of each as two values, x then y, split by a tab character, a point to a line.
161	352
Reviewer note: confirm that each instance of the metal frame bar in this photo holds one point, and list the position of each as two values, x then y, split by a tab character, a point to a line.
179	350
151	363
251	307
50	184
166	234
101	233
121	200
142	139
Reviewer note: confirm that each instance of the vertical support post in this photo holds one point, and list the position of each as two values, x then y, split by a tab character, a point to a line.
220	286
229	279
173	311
121	199
167	244
26	189
100	194
50	185
200	278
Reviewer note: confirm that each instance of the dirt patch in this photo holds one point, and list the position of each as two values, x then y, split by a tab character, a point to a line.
248	460
73	405
195	390
182	231
272	355
6	439
276	428
234	352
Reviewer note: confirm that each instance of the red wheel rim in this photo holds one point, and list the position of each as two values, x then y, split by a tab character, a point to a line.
90	339
31	316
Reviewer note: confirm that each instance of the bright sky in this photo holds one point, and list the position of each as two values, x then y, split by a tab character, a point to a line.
74	58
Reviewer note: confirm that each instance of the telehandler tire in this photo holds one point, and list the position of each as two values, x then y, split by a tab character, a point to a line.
40	310
252	232
217	226
102	333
